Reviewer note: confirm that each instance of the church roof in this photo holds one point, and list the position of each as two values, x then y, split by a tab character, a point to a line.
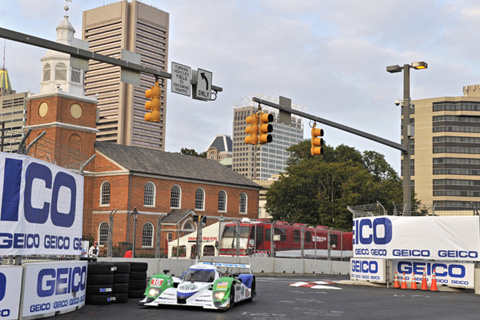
172	165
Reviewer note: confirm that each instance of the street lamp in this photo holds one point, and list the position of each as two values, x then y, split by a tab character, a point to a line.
134	214
407	188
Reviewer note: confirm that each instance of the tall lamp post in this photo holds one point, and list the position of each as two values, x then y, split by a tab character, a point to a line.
134	214
407	188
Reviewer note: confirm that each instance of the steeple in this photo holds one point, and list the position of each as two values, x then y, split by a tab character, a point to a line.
5	85
58	74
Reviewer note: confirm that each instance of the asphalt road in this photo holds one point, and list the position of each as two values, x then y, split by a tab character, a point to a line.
282	298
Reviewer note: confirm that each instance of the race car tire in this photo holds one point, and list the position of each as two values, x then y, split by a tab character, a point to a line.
136	293
138	266
100	268
120	297
120	287
121	277
232	295
98	299
99	279
122	267
100	290
137	285
253	292
138	275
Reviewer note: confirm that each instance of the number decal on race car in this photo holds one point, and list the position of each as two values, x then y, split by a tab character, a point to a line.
156	282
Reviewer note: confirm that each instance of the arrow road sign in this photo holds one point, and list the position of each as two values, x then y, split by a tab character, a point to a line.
203	88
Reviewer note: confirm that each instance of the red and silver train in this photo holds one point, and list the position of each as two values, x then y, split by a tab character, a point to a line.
255	239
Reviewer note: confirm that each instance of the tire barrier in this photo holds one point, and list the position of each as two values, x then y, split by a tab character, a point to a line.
138	279
121	277
100	283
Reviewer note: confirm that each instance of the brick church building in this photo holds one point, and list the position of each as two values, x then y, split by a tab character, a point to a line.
121	179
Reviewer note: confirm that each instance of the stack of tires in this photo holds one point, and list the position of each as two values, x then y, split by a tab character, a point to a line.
138	279
100	283
121	276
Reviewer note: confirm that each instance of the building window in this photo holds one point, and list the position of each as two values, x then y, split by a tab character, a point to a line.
61	72
149	194
103	234
147	235
308	237
175	197
76	75
46	72
222	201
169	236
105	194
200	199
296	235
188	228
243	203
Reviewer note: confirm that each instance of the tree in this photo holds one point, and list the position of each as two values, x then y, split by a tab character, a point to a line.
317	189
192	152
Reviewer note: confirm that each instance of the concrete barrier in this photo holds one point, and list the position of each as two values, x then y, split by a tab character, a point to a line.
259	266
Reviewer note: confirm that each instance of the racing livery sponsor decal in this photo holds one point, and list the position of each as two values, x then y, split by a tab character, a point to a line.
155	282
222	285
430	238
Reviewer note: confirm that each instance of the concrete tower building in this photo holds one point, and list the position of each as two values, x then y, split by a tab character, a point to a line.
139	28
262	162
445	163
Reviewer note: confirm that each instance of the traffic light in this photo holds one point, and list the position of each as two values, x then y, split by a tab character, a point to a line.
317	142
265	128
252	129
154	103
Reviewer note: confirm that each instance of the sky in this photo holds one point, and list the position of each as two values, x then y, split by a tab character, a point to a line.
327	56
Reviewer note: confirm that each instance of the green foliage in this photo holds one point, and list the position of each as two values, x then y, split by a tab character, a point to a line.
317	189
192	152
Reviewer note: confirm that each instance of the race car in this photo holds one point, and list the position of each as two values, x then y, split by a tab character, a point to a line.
202	285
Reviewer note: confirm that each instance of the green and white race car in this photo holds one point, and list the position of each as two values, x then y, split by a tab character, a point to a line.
202	285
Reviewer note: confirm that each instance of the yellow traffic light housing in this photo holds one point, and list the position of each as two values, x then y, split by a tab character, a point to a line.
317	142
154	103
252	129
265	127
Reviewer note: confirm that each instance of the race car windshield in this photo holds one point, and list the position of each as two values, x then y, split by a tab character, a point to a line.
200	275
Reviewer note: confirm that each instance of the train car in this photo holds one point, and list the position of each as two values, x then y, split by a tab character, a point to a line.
254	239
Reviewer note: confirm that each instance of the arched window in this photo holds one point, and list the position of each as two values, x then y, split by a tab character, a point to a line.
243	203
147	235
222	201
103	233
149	194
188	228
200	199
105	194
61	72
46	72
175	197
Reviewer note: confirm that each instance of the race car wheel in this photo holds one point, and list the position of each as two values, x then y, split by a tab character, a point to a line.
232	295
253	292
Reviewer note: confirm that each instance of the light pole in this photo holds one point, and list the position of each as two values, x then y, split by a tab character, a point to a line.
134	214
407	188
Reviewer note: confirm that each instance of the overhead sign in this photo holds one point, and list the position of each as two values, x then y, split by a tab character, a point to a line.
181	77
203	88
442	238
41	208
10	289
54	287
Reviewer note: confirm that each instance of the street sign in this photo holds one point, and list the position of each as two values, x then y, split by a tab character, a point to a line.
181	76
203	87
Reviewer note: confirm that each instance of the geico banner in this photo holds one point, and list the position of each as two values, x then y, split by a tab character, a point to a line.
392	237
372	270
10	289
52	287
452	274
41	207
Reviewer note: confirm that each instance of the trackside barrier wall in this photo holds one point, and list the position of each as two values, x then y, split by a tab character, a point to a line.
258	265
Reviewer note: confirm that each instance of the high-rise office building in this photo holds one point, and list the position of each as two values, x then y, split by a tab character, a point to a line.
271	158
445	161
136	27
